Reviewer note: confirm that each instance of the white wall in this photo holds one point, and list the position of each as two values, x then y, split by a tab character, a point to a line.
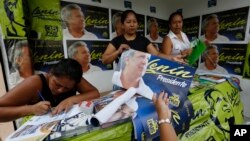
139	6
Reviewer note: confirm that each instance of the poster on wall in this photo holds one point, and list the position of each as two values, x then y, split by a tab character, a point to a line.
229	60
141	25
225	26
88	53
157	29
116	25
191	27
246	73
12	19
91	20
45	19
46	53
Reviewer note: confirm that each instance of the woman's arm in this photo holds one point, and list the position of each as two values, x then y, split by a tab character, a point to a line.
111	53
167	46
14	104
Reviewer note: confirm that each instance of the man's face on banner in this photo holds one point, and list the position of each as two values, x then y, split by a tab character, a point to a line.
213	56
138	63
213	26
76	19
82	55
24	61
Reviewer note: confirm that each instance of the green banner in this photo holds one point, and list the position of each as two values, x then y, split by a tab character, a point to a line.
44	19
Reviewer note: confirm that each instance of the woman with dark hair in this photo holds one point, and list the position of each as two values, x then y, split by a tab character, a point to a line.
36	94
176	42
129	39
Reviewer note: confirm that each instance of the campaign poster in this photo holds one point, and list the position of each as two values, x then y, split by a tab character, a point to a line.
96	49
153	75
232	24
191	27
12	19
96	20
44	19
116	25
46	53
157	26
141	24
231	57
246	73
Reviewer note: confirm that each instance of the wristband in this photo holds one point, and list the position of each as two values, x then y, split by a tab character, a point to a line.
167	120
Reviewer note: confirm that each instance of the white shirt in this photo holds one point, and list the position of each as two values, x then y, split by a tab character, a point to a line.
87	35
158	40
220	38
178	44
92	68
218	69
143	89
14	79
113	35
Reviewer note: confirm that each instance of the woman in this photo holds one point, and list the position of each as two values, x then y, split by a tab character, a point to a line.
176	42
167	132
129	39
38	93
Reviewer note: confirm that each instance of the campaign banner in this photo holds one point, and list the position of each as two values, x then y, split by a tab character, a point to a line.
44	20
46	53
232	24
141	24
96	49
162	26
232	57
152	75
96	19
246	73
191	27
12	19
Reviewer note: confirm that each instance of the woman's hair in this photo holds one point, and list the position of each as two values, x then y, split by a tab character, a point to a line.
172	16
69	68
125	14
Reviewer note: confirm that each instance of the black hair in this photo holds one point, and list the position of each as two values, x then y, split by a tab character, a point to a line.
174	14
125	14
69	68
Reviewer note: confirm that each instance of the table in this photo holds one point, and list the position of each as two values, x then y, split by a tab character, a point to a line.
215	107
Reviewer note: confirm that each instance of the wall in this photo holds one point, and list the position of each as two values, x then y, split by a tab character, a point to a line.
140	6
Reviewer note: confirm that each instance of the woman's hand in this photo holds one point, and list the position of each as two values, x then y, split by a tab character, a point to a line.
40	108
65	105
161	105
122	48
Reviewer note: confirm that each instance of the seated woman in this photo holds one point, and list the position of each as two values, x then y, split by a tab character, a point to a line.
176	42
36	94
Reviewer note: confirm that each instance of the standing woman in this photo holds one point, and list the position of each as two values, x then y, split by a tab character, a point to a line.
176	42
129	39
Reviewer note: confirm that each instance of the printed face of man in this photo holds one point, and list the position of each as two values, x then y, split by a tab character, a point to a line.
213	56
76	19
24	61
212	26
154	28
138	63
176	24
130	24
82	55
118	28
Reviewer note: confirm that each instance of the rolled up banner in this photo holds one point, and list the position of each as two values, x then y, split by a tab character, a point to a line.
103	115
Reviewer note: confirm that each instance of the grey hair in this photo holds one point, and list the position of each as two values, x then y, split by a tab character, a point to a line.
150	22
116	18
126	54
16	51
205	53
206	20
66	12
72	50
